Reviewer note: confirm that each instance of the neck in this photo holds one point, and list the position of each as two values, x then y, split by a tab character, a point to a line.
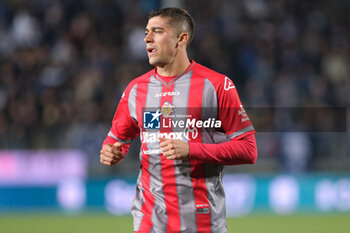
177	66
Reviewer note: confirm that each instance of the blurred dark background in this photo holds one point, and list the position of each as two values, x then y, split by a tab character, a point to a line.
64	65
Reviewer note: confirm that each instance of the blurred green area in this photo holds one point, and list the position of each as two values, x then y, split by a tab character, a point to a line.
100	222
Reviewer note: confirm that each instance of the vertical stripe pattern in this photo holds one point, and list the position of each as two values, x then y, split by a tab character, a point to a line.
132	102
213	172
151	183
183	168
156	185
197	173
143	182
168	172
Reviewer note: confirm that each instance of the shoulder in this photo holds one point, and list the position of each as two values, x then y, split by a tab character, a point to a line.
207	72
217	79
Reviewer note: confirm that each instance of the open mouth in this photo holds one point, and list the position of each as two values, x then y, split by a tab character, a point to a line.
151	50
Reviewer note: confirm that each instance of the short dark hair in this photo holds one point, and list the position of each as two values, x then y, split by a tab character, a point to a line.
177	16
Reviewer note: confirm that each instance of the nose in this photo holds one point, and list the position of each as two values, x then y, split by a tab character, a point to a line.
148	38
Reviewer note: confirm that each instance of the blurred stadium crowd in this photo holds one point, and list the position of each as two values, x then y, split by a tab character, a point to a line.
64	65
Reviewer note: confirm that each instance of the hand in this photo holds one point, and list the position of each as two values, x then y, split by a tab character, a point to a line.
111	154
174	149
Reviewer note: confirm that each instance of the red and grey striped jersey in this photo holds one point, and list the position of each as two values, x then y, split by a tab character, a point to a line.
201	107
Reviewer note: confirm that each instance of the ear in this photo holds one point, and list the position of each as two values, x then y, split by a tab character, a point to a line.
182	39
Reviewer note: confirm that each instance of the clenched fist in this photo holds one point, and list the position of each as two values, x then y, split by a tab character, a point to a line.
174	149
111	154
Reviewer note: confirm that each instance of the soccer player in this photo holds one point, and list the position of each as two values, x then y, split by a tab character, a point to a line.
191	123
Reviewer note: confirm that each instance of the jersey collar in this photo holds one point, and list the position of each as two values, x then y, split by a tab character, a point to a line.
168	84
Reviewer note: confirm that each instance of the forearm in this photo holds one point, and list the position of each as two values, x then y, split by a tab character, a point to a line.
234	152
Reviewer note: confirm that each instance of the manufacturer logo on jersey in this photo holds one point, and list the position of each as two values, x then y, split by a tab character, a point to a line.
167	109
151	120
172	93
228	84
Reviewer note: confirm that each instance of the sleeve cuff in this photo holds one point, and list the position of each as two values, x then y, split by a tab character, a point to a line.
109	140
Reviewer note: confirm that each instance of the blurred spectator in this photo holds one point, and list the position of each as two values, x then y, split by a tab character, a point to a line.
25	30
296	152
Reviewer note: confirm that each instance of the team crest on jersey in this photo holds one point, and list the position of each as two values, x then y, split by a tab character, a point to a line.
228	84
167	109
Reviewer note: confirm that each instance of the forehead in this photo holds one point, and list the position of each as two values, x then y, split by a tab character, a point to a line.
158	21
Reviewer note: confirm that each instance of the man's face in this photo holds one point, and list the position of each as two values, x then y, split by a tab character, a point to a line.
161	41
